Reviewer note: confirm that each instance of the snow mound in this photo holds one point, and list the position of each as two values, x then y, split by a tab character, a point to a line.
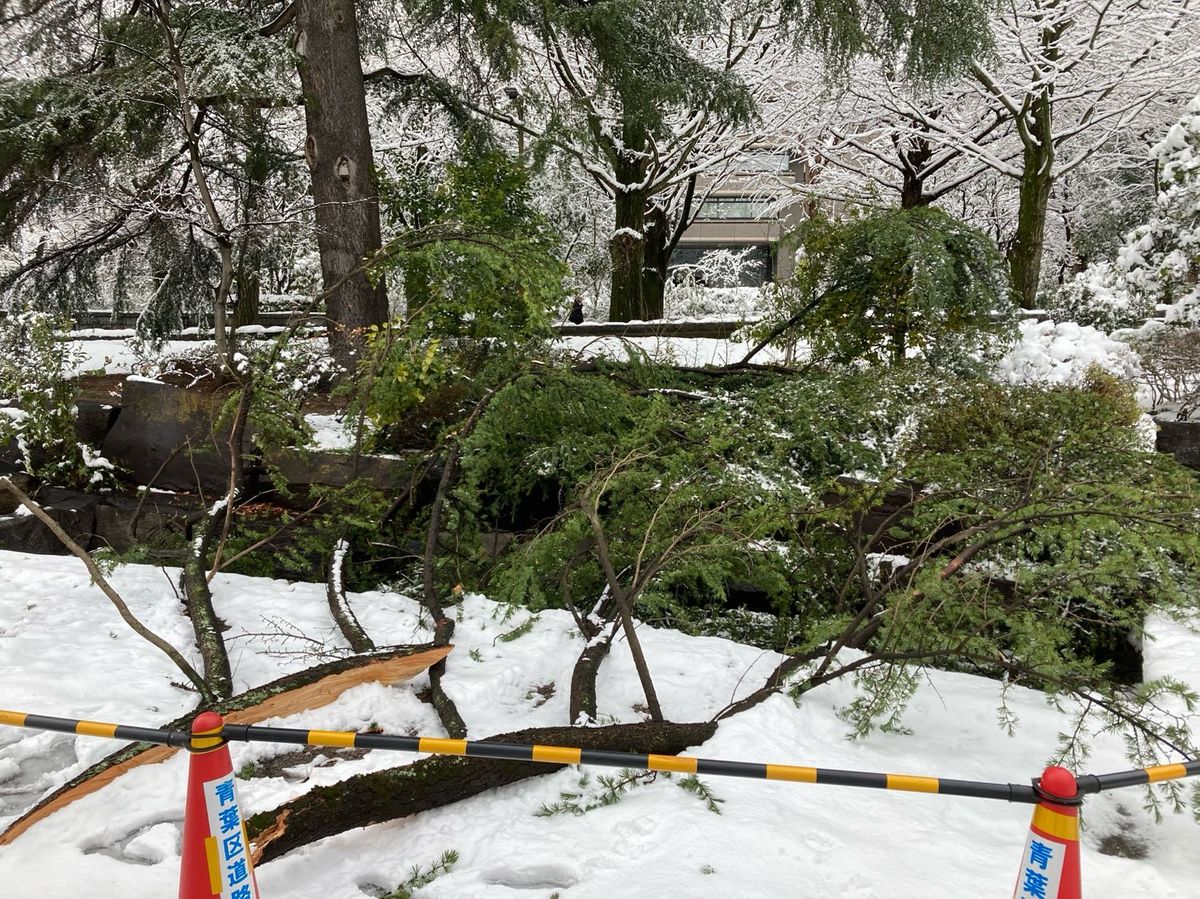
1061	353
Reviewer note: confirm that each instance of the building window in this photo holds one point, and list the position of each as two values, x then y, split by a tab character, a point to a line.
764	161
715	262
717	208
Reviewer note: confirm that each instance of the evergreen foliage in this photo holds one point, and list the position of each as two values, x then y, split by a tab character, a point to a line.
1019	532
38	414
418	878
93	153
871	289
933	38
480	277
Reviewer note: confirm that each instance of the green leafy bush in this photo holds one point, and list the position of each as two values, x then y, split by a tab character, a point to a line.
39	402
480	280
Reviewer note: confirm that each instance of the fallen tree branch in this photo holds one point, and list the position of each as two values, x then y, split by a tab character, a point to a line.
339	606
435	782
311	688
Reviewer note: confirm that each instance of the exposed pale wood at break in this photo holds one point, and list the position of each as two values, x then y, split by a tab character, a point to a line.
245	708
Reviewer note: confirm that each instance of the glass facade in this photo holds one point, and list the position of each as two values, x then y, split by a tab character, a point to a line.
721	208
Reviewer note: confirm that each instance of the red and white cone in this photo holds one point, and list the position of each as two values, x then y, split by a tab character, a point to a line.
1050	867
216	853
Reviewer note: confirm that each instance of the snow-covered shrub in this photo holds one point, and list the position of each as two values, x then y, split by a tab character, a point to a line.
1095	297
1171	369
38	401
1160	261
685	298
713	287
723	267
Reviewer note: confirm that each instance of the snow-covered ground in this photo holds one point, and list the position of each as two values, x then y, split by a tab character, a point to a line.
1045	351
64	651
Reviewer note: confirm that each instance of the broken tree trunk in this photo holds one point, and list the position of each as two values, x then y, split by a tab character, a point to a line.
339	605
599	629
308	689
434	782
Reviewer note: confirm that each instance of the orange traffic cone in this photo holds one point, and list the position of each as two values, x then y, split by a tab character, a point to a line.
1050	868
216	854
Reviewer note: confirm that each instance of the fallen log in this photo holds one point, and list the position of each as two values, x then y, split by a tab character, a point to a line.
440	780
309	689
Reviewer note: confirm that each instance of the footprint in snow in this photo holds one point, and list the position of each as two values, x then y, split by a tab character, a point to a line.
531	877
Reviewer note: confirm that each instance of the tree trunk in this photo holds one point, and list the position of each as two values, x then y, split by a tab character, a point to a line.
627	299
912	191
249	289
913	158
434	782
657	261
1037	180
257	167
339	156
1025	253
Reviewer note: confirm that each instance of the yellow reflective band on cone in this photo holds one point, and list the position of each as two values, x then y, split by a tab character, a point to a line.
202	742
1056	824
214	865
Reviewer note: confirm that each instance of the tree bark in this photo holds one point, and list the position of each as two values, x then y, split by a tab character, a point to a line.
1025	253
338	151
627	299
197	599
248	278
215	526
599	629
657	261
434	782
339	607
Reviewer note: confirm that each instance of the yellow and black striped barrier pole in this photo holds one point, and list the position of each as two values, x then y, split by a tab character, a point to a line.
567	755
96	729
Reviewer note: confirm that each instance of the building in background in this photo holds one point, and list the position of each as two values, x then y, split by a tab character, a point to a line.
750	209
